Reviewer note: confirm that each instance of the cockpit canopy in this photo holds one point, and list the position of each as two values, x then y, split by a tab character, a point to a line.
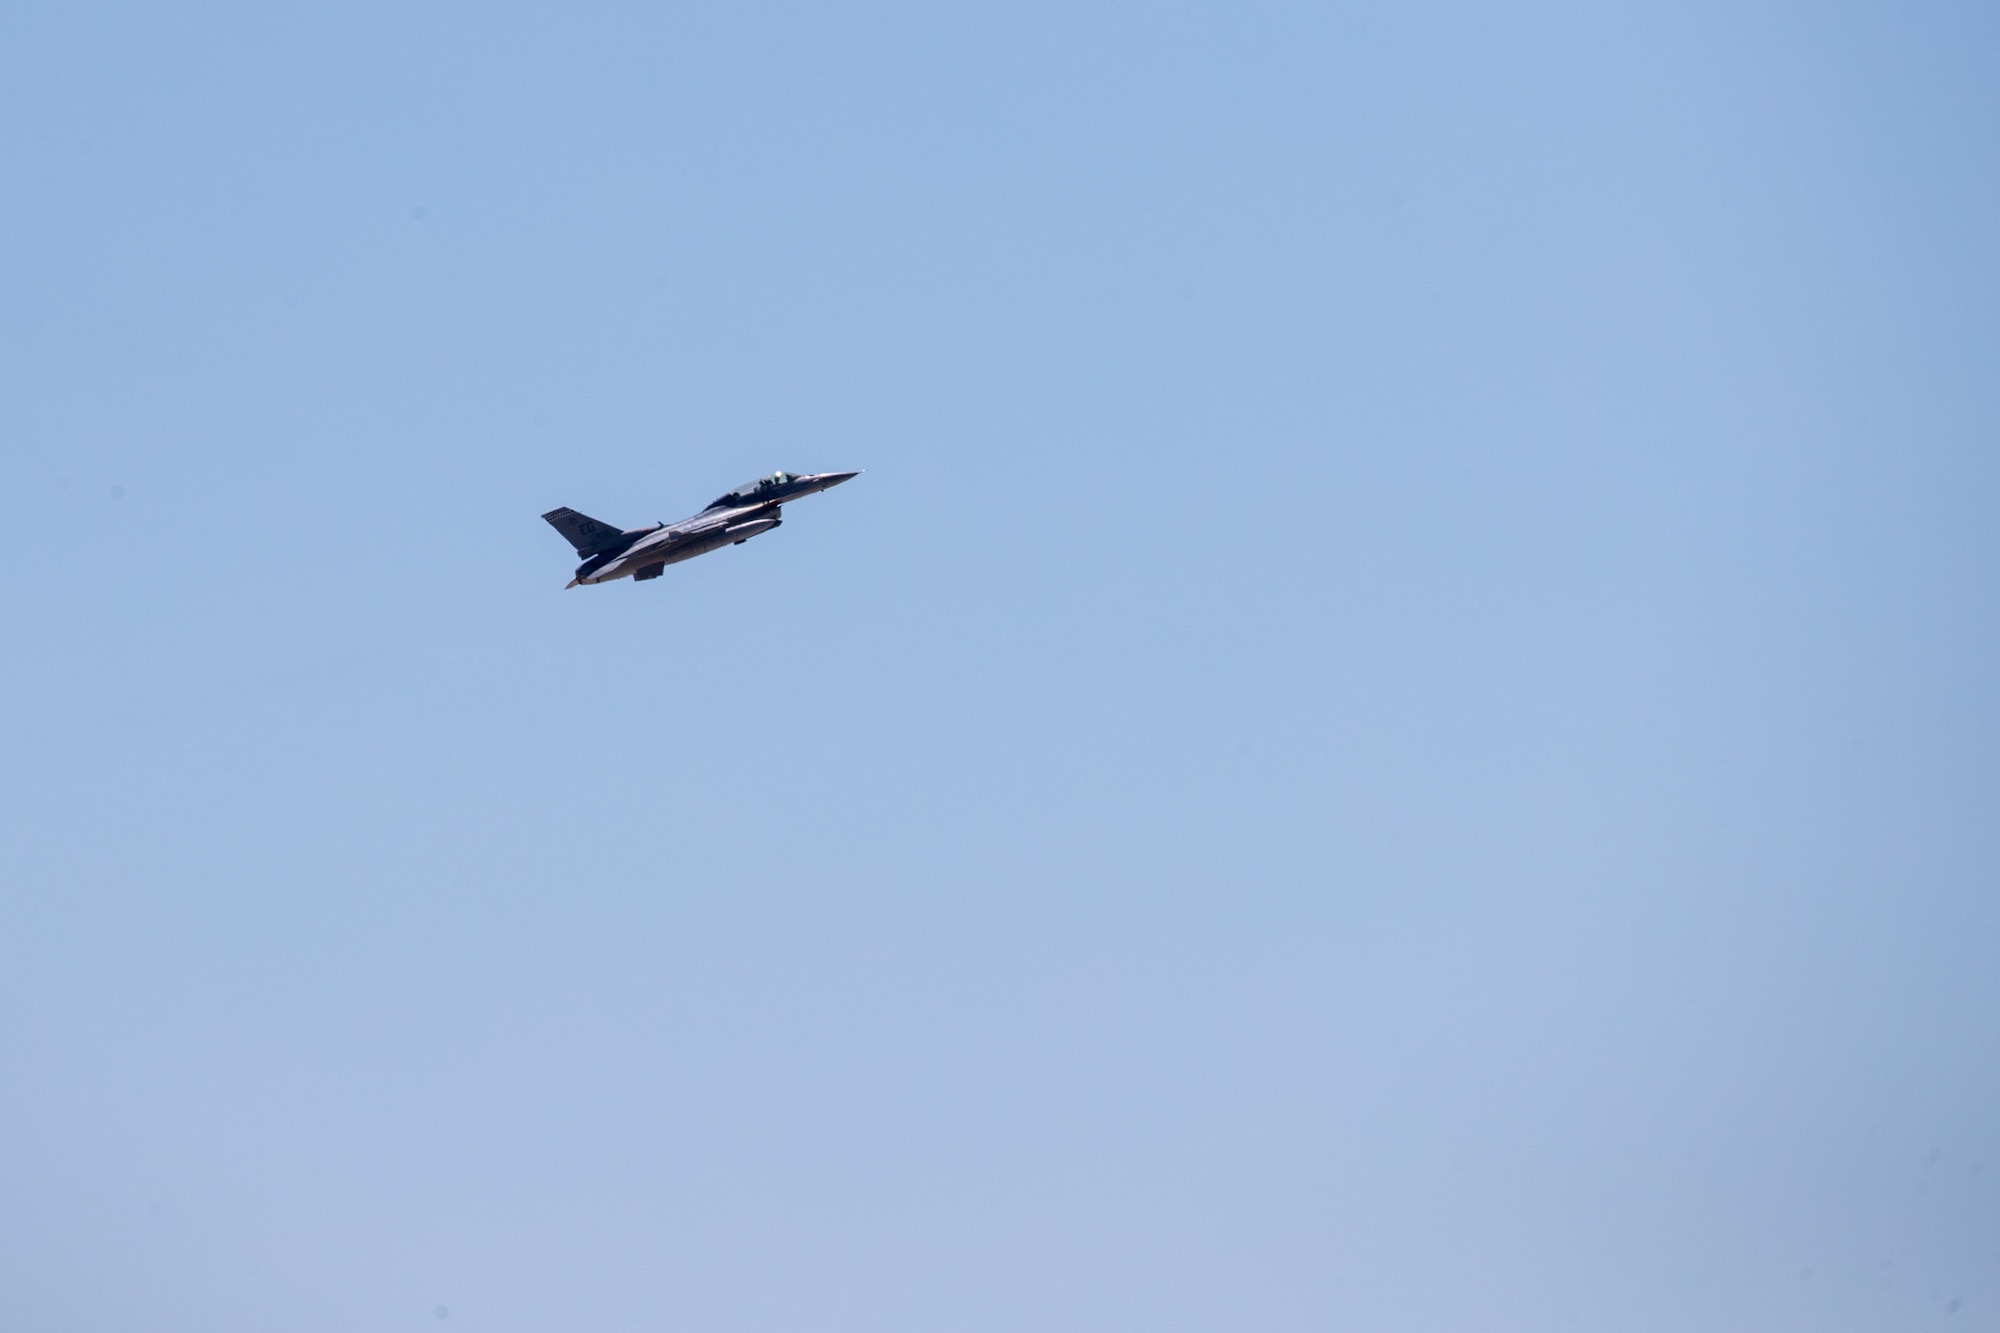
751	492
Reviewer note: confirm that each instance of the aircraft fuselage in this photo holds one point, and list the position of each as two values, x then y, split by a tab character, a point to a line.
675	542
642	553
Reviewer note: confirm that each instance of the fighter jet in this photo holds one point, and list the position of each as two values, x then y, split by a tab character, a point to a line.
730	520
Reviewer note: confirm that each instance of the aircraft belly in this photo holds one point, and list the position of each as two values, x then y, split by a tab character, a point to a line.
694	546
743	532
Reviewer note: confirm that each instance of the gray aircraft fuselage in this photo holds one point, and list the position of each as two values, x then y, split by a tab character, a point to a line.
752	508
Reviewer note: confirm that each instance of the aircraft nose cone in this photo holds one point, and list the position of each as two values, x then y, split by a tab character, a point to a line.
832	479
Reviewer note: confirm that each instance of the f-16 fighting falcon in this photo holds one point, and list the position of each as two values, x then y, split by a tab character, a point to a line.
644	553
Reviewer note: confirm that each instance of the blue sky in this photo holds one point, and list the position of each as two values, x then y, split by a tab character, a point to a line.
1400	732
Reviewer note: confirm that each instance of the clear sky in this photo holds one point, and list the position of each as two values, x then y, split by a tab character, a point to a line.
1401	733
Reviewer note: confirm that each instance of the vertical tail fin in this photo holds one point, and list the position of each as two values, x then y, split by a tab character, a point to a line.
582	531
